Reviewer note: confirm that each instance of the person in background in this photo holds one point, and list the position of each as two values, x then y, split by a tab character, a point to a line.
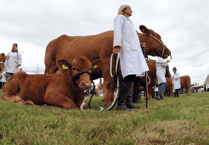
2	79
160	74
177	83
132	61
13	61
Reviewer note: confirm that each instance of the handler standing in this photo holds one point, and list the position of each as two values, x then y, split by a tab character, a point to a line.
160	73
177	82
132	61
13	61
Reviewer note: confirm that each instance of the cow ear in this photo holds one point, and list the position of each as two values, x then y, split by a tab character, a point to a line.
97	63
144	29
63	65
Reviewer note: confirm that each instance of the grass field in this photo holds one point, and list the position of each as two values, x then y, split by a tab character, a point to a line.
183	120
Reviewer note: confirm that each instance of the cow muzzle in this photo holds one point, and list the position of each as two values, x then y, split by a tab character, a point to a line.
86	86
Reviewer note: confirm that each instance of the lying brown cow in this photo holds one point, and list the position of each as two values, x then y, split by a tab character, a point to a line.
186	83
52	89
98	47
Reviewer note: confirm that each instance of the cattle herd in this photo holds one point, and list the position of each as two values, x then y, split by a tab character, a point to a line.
85	58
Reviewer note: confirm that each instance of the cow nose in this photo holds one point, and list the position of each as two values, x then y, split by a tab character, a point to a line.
86	86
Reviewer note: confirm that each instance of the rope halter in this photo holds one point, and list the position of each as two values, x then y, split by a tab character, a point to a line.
160	43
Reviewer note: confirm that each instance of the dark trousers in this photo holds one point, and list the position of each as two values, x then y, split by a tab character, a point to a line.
9	74
176	93
1	85
129	78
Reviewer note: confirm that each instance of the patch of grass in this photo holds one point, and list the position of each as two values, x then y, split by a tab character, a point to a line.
183	120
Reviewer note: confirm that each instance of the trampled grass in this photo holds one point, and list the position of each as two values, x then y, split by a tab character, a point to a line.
183	120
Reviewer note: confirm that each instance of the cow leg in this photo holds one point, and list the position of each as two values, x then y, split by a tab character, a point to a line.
11	93
108	84
59	100
109	92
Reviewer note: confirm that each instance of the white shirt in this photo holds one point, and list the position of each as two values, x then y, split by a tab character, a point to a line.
12	61
132	60
161	70
177	82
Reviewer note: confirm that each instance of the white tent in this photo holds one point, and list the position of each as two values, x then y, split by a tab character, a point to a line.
207	80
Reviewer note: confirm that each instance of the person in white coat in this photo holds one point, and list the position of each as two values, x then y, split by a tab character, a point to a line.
132	61
2	79
13	61
177	82
160	74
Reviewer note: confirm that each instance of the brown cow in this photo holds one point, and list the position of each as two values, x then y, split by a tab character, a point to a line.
52	89
169	86
98	47
2	61
186	83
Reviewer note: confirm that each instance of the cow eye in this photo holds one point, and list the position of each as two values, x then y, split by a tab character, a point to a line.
77	69
73	68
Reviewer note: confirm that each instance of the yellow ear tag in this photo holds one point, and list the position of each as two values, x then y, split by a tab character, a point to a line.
95	66
64	67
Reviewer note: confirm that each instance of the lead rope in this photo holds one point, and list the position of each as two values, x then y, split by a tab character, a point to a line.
117	86
87	93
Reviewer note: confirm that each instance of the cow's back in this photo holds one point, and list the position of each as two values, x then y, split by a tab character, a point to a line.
185	81
68	47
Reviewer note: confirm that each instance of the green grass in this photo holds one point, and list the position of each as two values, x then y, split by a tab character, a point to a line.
183	120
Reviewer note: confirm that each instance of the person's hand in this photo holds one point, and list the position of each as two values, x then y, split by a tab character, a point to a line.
167	60
18	65
116	50
143	45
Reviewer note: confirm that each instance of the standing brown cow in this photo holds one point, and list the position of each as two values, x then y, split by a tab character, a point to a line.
52	89
169	86
98	47
186	83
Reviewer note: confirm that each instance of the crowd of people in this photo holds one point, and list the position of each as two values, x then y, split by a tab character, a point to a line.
12	64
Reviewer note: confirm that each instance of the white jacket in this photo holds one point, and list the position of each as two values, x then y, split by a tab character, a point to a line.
3	77
177	82
161	70
132	60
12	61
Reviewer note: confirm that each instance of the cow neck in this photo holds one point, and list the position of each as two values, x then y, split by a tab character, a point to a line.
70	82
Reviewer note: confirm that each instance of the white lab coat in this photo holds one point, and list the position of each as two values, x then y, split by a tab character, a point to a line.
132	60
3	77
177	82
161	70
11	62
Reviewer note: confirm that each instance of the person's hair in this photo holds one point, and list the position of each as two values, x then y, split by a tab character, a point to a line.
175	69
123	7
15	44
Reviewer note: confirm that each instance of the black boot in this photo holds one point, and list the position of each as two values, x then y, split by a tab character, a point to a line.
136	91
128	89
158	97
161	96
122	99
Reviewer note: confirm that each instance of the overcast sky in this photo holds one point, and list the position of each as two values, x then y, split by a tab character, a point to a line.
182	24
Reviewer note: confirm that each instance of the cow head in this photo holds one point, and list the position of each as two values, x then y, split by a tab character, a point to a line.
79	71
154	43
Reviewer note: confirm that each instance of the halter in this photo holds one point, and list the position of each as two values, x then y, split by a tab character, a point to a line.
160	43
76	76
86	91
